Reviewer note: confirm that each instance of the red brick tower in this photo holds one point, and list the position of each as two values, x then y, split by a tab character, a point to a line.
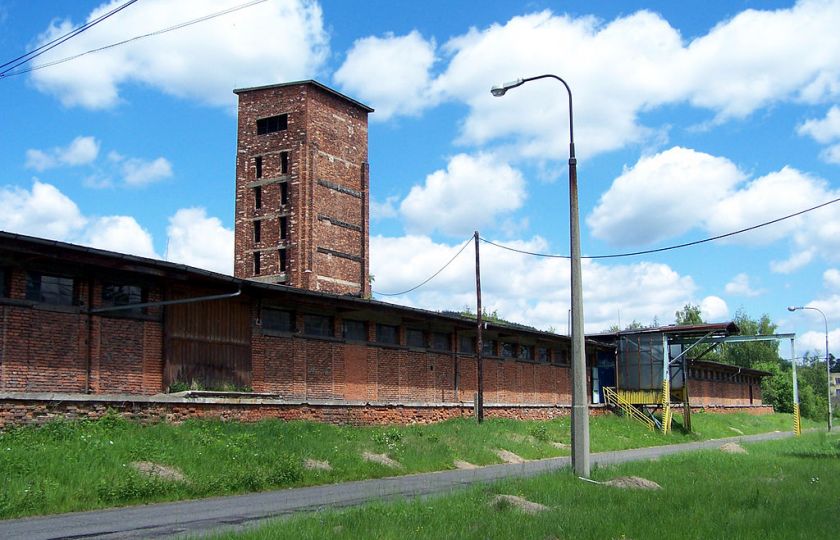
302	193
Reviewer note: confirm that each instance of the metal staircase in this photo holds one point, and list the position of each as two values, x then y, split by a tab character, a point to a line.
615	400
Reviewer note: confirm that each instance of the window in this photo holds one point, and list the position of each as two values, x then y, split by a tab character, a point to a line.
284	193
543	354
279	320
508	350
488	347
415	338
258	166
282	255
441	341
353	330
4	283
257	231
318	325
836	379
258	197
272	124
466	344
48	289
123	295
561	357
525	352
385	333
284	228
257	263
284	163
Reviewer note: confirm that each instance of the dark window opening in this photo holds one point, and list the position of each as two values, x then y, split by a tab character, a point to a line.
543	354
488	347
525	353
258	197
354	330
508	350
385	333
48	289
256	263
415	338
280	320
561	357
124	295
318	325
272	124
284	228
284	193
4	283
282	255
284	162
258	164
466	344
441	341
257	231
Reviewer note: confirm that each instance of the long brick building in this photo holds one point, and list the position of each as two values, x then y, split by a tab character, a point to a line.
294	333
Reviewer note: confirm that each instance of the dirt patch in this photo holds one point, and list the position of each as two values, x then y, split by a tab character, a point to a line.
560	445
632	482
509	457
500	502
518	437
733	448
736	430
459	464
382	459
156	470
317	465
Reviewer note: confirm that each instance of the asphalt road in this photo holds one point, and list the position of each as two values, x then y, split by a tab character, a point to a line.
201	516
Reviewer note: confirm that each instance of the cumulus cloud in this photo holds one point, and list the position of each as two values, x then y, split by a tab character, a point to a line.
714	309
81	151
469	195
740	286
831	279
621	68
200	240
281	40
524	289
813	342
679	190
384	210
662	196
45	211
401	67
824	130
136	172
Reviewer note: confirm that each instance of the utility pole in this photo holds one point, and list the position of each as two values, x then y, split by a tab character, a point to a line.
479	343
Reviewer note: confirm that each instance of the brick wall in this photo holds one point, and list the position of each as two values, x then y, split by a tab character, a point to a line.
726	393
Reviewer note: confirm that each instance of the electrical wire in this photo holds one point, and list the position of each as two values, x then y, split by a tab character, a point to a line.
433	276
668	248
135	38
31	55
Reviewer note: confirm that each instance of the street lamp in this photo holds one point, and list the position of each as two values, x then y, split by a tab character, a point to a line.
580	404
827	363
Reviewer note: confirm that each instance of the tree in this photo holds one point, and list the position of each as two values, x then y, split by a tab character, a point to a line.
759	352
689	314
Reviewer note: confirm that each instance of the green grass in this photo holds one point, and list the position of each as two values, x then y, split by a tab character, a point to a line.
70	466
781	489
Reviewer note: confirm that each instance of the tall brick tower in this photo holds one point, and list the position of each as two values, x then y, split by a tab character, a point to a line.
302	198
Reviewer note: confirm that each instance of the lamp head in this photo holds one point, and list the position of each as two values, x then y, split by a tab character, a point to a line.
501	89
792	308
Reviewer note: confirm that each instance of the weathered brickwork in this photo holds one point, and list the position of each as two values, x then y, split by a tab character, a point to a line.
323	148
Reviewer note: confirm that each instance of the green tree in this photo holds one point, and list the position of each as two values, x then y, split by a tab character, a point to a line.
777	389
689	314
758	352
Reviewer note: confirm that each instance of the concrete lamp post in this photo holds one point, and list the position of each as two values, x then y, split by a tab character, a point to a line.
580	403
827	362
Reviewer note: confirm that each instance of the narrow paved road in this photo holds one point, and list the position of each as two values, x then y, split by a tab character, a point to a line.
195	517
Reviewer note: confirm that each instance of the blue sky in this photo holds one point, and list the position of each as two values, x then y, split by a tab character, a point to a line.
692	119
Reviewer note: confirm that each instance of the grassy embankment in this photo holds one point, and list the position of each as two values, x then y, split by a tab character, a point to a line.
779	490
71	466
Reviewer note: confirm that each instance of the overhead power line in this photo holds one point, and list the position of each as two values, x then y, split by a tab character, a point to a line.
31	55
178	26
433	276
668	248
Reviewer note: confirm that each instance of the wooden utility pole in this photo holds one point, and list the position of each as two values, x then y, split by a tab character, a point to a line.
479	343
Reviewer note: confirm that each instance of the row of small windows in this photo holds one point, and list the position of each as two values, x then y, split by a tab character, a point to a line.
352	330
283	229
282	261
710	375
258	195
283	163
60	290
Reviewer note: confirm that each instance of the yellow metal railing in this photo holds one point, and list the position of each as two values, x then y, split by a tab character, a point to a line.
616	400
797	425
640	397
667	414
